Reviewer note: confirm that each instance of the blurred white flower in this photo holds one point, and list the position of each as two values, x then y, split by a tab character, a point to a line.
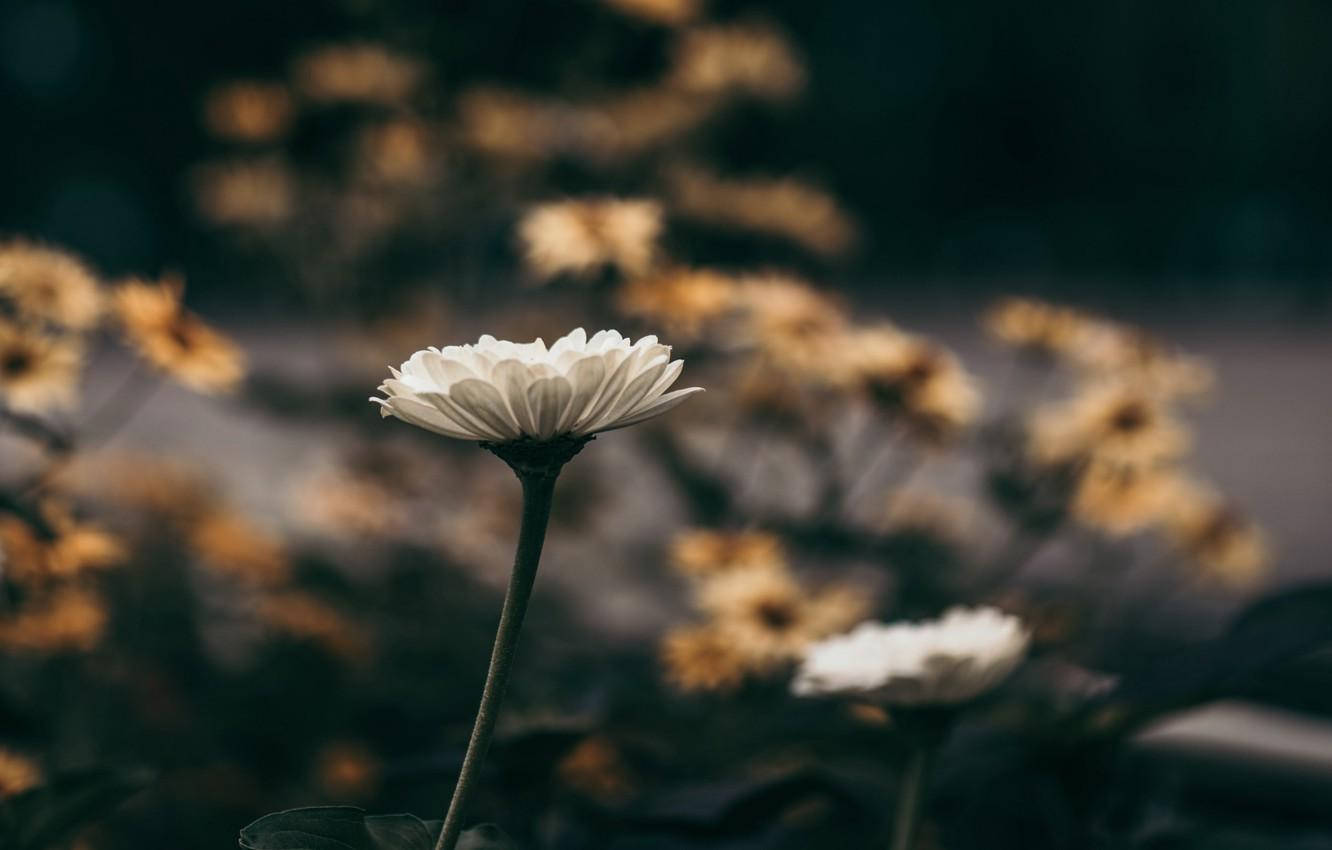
949	660
498	391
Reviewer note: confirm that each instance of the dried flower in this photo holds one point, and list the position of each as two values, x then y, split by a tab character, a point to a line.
50	286
69	619
259	192
595	768
746	58
75	548
18	773
232	545
795	327
667	12
357	73
950	660
782	207
770	616
348	769
913	379
1120	499
1219	538
684	301
702	658
248	111
175	340
1114	422
1036	326
581	236
703	551
499	391
37	372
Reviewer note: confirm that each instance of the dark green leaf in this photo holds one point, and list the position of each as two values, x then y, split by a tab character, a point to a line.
338	828
47	816
485	836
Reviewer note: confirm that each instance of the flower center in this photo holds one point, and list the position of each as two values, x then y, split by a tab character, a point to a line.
15	362
776	615
1129	417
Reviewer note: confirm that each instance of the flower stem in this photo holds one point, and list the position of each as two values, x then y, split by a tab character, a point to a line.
909	797
538	488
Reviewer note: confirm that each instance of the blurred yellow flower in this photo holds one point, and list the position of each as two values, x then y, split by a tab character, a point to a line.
399	151
682	301
306	617
18	773
913	379
1109	421
596	769
38	372
1225	543
704	551
248	110
348	770
75	548
1036	326
233	545
581	236
258	192
770	617
1121	499
702	658
667	12
795	327
175	340
358	72
746	58
783	207
47	285
71	618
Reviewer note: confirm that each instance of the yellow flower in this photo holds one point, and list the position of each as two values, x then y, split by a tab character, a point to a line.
770	617
75	548
581	236
37	372
782	207
702	551
745	58
702	658
18	773
683	301
174	339
248	111
596	769
401	151
258	192
348	770
69	619
233	545
1221	540
1120	499
360	72
1036	326
1110	421
46	285
795	327
913	379
667	12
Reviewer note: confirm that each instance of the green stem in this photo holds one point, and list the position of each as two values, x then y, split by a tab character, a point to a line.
909	797
538	489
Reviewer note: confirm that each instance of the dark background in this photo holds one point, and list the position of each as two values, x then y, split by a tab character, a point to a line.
1165	149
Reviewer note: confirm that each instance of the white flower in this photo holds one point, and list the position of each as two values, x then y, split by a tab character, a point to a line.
949	660
499	391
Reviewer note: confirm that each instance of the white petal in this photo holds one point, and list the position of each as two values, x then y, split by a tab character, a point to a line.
484	402
656	408
636	391
427	416
549	398
512	378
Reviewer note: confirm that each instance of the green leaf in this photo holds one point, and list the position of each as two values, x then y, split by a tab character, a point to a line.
51	814
350	828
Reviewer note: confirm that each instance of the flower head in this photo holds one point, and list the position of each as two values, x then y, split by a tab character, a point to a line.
175	340
581	236
498	391
949	660
37	372
49	286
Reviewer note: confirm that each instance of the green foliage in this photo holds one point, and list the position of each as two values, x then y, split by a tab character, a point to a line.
350	828
51	814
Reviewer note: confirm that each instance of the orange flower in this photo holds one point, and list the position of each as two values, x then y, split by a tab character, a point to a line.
174	339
